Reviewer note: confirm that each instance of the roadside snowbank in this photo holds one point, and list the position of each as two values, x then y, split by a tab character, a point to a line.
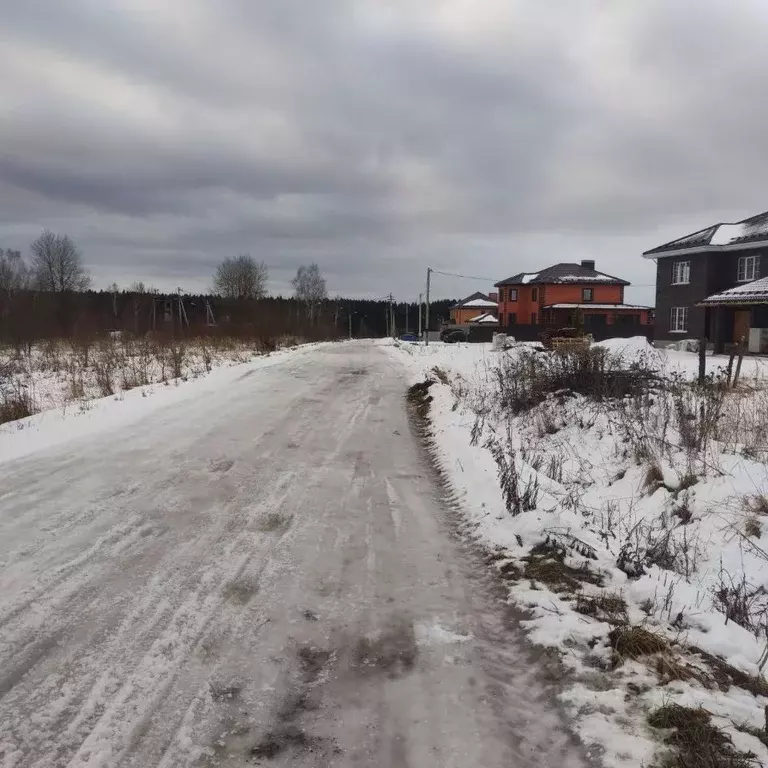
691	532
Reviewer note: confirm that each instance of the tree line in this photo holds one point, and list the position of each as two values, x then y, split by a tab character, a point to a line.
50	296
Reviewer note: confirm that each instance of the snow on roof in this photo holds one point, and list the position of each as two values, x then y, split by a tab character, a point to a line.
596	306
726	233
565	272
744	293
581	278
476	300
479	303
702	237
486	317
719	235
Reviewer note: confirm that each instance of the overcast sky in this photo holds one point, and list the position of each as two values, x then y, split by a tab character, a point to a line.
376	137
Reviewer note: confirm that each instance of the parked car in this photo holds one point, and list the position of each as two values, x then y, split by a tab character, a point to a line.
453	335
408	337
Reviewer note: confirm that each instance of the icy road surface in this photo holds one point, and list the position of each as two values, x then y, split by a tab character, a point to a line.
263	574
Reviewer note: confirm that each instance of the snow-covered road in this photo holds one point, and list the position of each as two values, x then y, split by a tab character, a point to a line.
264	573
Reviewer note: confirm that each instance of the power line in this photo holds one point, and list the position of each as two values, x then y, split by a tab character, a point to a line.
465	277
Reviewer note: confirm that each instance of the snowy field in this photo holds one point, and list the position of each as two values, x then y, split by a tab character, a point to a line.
67	393
57	374
630	530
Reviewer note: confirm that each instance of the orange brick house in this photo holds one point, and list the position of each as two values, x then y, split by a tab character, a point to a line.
568	295
473	306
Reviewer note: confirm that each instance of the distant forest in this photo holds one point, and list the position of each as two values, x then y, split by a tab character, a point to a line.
49	296
31	315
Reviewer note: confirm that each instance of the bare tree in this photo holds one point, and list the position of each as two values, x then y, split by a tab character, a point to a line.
14	273
241	278
309	285
60	275
57	265
139	286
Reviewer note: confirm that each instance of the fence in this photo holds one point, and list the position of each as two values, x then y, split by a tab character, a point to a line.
520	332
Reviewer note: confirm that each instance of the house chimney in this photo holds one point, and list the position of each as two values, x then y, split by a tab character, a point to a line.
588	264
493	297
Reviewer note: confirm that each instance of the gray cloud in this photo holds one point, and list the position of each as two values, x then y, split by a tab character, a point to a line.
377	137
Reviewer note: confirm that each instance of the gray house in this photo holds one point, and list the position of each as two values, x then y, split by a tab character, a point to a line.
694	272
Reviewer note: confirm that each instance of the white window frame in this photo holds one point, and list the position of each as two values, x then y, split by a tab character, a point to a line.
584	294
678	320
512	294
681	273
748	269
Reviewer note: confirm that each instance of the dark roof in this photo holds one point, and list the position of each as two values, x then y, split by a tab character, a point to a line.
563	273
474	297
755	292
750	230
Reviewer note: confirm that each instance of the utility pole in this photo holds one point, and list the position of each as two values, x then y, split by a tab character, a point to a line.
350	323
391	317
426	314
183	319
407	307
421	301
210	320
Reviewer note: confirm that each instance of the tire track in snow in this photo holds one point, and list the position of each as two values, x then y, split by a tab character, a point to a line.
123	534
116	733
100	686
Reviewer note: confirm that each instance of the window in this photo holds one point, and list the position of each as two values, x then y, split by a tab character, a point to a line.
678	322
535	294
512	294
511	318
681	273
749	269
533	317
586	294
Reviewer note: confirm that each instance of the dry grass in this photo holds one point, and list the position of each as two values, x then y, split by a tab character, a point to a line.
420	399
441	375
546	564
635	642
529	378
15	406
695	742
758	504
671	669
752	527
687	481
610	607
725	675
87	368
654	478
